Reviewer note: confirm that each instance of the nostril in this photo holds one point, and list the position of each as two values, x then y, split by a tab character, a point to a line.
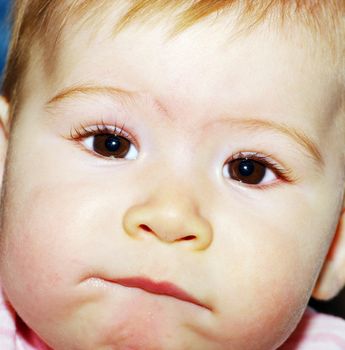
188	238
145	228
149	230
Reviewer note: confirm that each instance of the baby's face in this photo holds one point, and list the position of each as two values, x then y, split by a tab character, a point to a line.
171	195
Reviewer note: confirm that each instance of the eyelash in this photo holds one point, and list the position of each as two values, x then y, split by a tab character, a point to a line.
81	131
267	160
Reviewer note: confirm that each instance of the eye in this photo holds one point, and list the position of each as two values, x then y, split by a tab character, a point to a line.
253	170
106	141
112	146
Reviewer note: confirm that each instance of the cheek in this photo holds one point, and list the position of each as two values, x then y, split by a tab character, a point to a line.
266	272
32	240
49	239
263	296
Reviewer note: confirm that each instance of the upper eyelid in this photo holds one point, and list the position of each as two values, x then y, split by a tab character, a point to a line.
106	129
267	158
103	128
259	157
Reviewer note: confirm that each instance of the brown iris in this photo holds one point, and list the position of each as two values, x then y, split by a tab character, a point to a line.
109	145
247	171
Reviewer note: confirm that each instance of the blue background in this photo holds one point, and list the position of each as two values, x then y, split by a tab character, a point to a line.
4	31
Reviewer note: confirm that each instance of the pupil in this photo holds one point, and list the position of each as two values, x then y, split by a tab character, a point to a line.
112	143
246	167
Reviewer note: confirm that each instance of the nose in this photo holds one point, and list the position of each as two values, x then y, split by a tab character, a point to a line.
170	219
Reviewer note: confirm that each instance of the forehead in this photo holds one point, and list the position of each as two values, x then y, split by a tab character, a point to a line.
205	68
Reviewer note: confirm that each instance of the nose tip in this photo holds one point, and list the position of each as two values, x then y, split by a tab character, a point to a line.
169	224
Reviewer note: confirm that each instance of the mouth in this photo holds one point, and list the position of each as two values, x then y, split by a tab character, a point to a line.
158	288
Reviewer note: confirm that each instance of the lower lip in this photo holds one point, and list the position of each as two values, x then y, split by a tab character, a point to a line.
159	288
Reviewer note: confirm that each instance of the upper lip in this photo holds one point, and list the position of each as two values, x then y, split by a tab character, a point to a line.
159	288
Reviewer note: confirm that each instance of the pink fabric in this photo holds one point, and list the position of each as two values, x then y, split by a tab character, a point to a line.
14	334
315	332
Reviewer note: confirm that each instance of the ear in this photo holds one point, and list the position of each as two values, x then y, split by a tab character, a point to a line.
4	132
332	276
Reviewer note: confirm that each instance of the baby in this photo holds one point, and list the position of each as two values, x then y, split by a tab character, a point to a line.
173	175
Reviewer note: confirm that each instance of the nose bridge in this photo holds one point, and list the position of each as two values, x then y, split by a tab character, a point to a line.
175	196
170	214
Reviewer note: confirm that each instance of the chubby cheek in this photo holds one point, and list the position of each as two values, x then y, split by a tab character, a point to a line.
260	316
267	276
47	245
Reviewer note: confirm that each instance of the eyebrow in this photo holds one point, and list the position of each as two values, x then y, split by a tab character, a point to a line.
308	145
89	90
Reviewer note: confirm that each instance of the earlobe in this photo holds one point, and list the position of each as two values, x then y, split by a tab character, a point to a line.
332	276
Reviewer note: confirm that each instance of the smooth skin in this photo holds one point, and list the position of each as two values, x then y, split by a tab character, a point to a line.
170	211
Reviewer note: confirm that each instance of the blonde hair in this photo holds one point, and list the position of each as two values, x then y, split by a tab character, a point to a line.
43	20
